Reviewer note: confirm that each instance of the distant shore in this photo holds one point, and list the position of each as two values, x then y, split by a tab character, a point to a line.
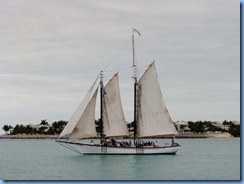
206	135
28	136
37	136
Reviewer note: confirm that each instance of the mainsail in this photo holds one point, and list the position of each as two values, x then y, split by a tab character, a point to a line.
153	116
113	115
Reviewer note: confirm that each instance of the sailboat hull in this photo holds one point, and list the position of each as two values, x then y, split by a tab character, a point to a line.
89	149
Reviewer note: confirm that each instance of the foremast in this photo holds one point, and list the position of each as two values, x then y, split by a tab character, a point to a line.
102	136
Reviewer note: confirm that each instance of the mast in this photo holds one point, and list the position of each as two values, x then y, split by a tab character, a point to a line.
135	84
101	107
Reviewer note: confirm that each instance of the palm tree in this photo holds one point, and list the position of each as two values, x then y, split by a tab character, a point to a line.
44	122
6	128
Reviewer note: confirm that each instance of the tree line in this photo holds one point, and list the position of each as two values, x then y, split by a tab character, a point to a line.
42	128
56	127
205	126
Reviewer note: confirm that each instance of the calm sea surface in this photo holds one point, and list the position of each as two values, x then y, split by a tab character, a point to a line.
198	159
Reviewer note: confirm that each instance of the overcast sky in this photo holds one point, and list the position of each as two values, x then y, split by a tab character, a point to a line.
51	51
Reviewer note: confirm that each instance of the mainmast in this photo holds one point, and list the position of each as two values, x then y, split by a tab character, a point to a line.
135	84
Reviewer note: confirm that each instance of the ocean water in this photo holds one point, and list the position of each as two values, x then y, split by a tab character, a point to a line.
198	159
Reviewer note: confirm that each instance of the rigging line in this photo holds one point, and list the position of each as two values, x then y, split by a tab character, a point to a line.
120	68
141	68
70	148
96	79
73	149
116	54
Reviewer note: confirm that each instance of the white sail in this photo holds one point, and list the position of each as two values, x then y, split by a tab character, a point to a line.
77	114
85	128
153	116
113	115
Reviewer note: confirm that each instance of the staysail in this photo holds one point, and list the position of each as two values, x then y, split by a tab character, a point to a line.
153	116
113	115
77	114
85	128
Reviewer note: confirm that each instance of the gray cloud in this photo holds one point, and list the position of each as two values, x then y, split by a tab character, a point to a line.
51	51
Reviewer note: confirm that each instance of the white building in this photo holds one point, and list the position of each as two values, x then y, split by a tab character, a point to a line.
182	127
33	126
236	122
220	125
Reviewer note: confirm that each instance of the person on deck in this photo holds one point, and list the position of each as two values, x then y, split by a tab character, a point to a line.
113	141
174	143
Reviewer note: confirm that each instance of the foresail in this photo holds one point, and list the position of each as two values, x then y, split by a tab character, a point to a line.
77	114
85	128
153	116
113	115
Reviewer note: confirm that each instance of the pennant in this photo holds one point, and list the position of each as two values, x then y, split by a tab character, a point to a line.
104	92
135	30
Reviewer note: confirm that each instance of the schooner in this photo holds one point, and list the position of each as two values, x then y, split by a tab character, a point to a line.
151	118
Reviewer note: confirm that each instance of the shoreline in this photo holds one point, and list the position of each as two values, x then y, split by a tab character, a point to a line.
180	136
28	136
